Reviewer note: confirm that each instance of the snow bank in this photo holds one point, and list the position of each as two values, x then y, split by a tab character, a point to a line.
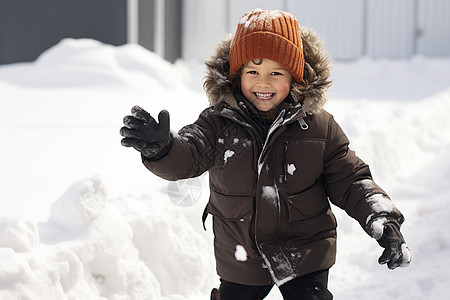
82	218
92	247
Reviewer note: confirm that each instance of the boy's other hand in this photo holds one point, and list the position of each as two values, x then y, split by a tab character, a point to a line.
396	253
143	133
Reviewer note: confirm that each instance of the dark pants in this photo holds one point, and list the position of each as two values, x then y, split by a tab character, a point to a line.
311	286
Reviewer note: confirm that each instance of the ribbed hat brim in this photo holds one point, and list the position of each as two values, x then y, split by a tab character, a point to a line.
267	45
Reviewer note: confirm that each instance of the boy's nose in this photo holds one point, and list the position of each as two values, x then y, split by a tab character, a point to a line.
263	82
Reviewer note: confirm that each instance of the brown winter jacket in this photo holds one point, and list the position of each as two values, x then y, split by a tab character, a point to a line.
270	192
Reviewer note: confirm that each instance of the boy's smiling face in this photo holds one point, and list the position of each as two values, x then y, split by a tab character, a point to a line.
265	84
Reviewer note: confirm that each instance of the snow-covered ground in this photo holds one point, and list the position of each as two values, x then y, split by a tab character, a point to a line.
81	218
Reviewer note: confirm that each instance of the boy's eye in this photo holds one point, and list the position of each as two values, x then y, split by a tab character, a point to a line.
276	73
252	72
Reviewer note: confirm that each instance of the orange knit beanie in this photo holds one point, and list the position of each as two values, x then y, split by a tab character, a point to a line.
269	34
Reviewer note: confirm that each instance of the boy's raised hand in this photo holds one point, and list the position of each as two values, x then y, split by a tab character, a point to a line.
143	133
396	253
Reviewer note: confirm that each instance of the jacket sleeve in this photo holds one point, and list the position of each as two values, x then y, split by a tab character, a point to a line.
192	151
350	186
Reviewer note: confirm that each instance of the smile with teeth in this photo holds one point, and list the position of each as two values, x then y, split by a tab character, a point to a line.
264	96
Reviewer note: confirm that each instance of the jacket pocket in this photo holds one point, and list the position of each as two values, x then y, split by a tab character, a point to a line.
232	208
308	203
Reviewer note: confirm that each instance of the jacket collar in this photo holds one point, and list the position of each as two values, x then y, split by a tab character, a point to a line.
241	110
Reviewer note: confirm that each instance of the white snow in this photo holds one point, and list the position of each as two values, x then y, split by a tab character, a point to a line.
227	155
291	169
81	218
377	227
379	202
270	194
263	15
406	254
18	234
240	254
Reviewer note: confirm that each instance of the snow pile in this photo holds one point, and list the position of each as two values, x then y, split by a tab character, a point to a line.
94	248
82	218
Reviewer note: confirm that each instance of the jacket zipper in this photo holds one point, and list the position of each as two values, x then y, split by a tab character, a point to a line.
284	161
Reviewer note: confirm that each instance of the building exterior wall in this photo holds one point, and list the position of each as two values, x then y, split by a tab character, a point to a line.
146	25
391	28
350	28
172	29
192	28
433	27
340	23
28	27
204	25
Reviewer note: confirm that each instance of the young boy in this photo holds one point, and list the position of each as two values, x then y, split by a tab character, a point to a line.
275	159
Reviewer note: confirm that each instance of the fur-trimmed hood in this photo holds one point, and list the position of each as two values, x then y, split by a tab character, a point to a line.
310	93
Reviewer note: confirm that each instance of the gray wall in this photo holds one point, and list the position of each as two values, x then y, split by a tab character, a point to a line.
159	28
350	28
192	28
28	27
146	24
172	29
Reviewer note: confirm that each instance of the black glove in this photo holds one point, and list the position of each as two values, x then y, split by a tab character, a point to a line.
144	134
396	253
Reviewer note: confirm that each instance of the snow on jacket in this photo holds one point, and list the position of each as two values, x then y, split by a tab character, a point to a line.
271	193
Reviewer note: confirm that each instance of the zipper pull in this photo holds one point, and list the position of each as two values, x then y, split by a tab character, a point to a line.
303	124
